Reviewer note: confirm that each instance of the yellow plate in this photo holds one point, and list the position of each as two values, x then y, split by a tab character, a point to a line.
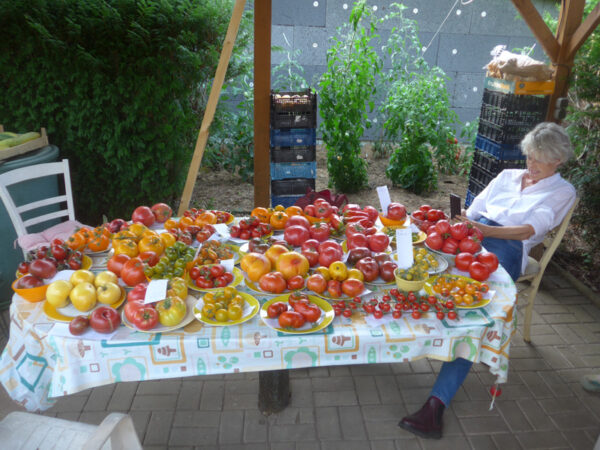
251	307
68	312
326	318
229	220
418	238
238	276
256	288
235	249
101	252
86	263
189	316
480	304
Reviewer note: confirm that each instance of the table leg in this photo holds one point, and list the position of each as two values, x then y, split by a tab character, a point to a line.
273	391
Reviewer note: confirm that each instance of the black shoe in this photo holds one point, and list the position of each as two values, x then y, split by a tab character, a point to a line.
426	422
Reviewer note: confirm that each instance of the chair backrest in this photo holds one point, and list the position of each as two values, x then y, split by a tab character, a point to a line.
64	203
551	242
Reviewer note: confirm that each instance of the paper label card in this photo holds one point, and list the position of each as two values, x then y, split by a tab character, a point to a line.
228	264
156	291
404	248
384	198
222	229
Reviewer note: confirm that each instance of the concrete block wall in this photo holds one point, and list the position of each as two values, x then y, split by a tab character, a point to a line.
461	47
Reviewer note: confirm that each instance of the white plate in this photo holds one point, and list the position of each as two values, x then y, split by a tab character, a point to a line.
190	301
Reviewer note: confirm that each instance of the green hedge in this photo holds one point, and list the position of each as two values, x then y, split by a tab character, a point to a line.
118	85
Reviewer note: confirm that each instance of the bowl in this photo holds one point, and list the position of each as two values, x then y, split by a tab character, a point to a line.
33	295
391	223
447	256
406	285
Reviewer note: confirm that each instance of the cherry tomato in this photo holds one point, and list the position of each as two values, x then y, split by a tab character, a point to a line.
378	314
347	312
452	315
396	314
440	315
416	314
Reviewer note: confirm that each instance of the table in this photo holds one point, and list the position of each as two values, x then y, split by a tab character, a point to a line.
37	366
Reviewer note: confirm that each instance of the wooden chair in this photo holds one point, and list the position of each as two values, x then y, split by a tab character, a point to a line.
21	216
31	431
535	269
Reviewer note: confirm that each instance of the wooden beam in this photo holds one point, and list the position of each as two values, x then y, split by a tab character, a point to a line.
211	105
583	32
262	90
538	27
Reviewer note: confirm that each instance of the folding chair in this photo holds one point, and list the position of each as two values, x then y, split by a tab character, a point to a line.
535	269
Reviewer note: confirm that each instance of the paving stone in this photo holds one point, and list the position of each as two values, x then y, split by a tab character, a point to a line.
542	439
301	392
292	415
154	402
415	395
473	408
99	398
420	366
234	400
189	395
292	433
567	333
196	436
305	446
339	371
563	405
574	420
69	404
529	364
351	423
555	359
344	445
140	422
93	417
159	428
558	386
535	383
366	390
388	389
71	415
344	383
401	368
383	445
339	398
383	429
196	419
328	424
238	447
513	415
484	425
231	427
447	442
370	369
577	439
551	309
318	372
574	359
506	441
409	443
523	352
535	414
159	387
122	396
255	427
212	396
580	313
416	380
374	413
482	442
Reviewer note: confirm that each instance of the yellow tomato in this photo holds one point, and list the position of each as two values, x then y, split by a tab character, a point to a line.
151	244
356	274
324	271
137	229
338	271
167	239
127	246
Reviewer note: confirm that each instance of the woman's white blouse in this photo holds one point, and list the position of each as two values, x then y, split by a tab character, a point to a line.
542	205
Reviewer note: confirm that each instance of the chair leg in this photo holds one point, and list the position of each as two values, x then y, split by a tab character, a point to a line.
532	292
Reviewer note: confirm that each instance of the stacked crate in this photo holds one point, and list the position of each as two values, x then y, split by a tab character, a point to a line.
293	145
509	111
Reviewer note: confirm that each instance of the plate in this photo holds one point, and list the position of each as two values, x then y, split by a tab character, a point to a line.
238	276
256	288
68	312
230	217
236	252
189	316
428	287
418	238
442	263
326	318
103	252
86	263
251	307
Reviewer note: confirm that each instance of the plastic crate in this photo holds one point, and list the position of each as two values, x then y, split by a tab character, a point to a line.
481	175
293	137
293	154
284	200
476	186
293	109
281	171
494	165
296	186
469	198
500	151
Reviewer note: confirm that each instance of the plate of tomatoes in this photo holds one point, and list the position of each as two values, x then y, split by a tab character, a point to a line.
159	317
212	276
275	281
297	313
226	307
250	227
464	292
66	313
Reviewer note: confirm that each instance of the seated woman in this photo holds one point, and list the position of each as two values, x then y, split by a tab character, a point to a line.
514	212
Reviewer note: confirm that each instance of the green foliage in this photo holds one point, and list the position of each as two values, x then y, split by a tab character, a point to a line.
467	136
345	98
416	112
116	83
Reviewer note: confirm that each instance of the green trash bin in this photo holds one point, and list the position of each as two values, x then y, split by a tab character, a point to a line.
22	193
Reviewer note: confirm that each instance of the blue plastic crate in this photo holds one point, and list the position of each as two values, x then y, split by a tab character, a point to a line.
500	151
282	171
469	199
284	200
293	137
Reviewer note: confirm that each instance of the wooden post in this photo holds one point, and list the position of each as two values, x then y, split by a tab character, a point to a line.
211	105
262	90
273	391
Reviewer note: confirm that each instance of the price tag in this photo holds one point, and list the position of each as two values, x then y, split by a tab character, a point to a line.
384	198
156	290
222	229
404	248
228	264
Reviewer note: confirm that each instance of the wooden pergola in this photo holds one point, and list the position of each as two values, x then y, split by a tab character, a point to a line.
561	50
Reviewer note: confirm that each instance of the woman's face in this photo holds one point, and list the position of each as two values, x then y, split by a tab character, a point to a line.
538	170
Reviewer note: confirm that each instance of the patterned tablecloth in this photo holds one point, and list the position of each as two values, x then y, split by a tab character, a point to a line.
38	365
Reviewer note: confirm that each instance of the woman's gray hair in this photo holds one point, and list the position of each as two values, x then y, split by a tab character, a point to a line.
547	142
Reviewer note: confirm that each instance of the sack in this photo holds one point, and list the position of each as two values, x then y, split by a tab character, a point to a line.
338	200
510	66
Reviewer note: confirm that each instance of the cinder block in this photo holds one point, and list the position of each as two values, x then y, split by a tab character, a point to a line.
299	12
314	43
465	53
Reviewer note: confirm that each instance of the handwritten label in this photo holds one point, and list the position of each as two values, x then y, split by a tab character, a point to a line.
156	291
384	198
404	251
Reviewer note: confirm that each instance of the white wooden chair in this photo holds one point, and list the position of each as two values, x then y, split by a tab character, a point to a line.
535	269
20	430
64	203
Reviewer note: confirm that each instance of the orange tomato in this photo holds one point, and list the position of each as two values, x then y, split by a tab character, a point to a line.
151	244
167	239
76	241
206	218
126	246
171	224
278	220
185	222
86	233
470	289
279	208
102	230
294	211
98	243
262	214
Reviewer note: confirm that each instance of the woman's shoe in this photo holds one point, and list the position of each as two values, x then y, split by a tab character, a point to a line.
426	422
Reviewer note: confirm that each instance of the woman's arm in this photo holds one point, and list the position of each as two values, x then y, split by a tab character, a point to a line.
515	232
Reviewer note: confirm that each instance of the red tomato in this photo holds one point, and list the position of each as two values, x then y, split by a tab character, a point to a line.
463	260
442	227
234	231
450	246
334	288
275	309
316	283
28	281
132	272
194	272
419	215
310	311
352	287
357	240
424	208
479	271
272	282
203	283
386	270
143	214
59	252
369	267
489	259
312	256
74	262
311	243
378	242
216	270
335	221
105	319
145	318
298	220
296	282
221	281
434	241
329	255
310	210
78	325
371	212
131	308
23	267
291	319
162	212
323	209
320	232
396	211
149	257
296	235
459	231
42	268
469	245
137	293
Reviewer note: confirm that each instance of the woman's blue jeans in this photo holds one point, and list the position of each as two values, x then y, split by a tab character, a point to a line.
453	373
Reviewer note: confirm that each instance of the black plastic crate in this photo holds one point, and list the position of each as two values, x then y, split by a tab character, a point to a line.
295	186
475	187
504	134
500	151
293	109
536	105
490	163
293	154
480	175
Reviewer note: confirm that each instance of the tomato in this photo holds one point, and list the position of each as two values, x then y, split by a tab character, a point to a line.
221	281
416	314
329	255
171	311
278	220
149	257
442	227
296	235
98	243
459	231
132	272
440	315
217	270
131	308
234	231
42	268
310	311
115	263
203	283
323	209
295	282
377	313
320	231
463	260
298	220
386	270
316	283
369	267
74	262
23	267
151	244
352	287
59	251
335	221
143	214
162	212
434	241
28	281
489	259
357	240
76	241
275	309
145	317
450	246
378	242
291	319
105	319
272	282
310	210
194	272
452	315
78	325
127	246
396	211
137	293
479	271
334	288
469	244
